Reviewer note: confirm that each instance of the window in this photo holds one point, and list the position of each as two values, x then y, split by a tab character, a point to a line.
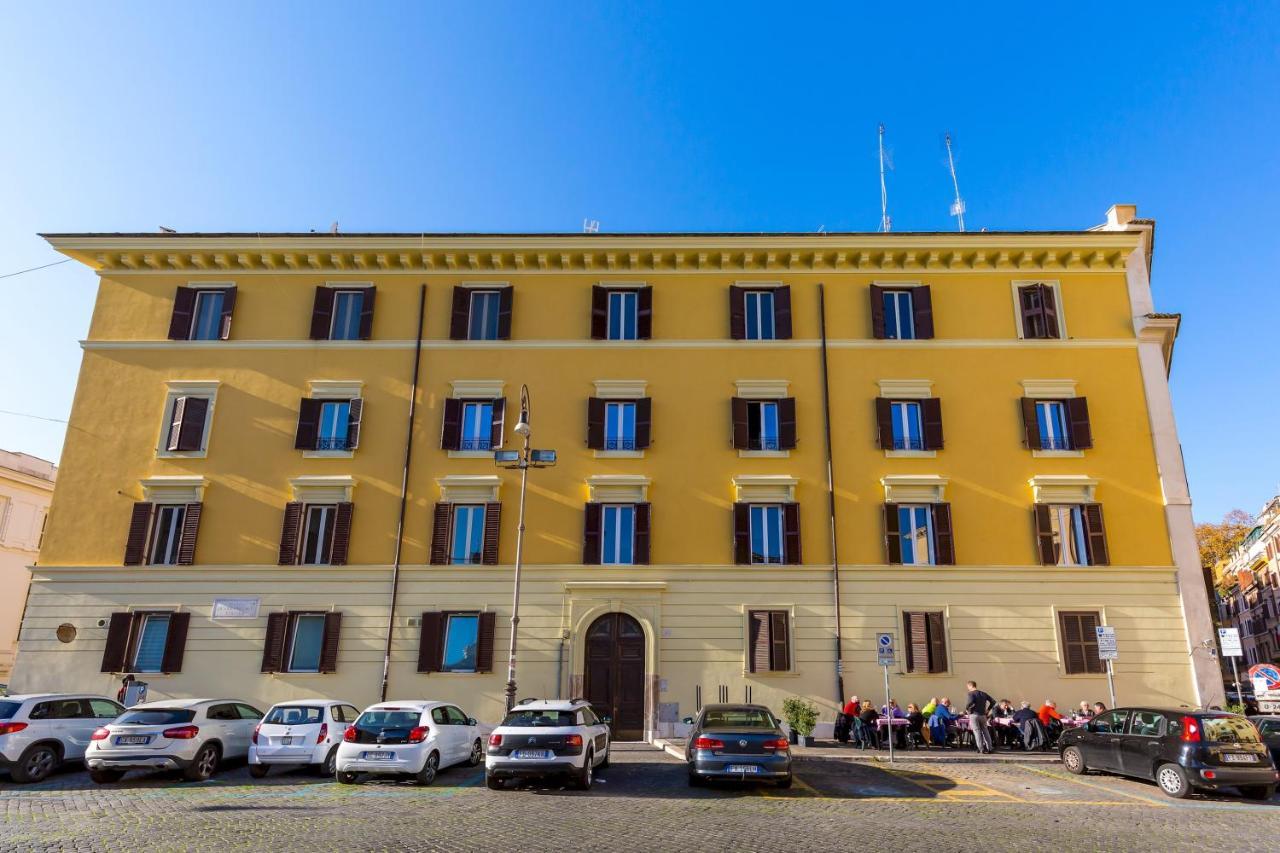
152	635
1112	722
186	423
208	316
1146	724
1071	534
305	642
1070	542
335	417
1057	424
919	534
899	319
623	313
461	642
908	429
474	425
104	709
317	537
909	425
329	425
915	527
620	426
467	542
1038	308
764	425
145	641
166	534
348	305
483	323
618	536
924	636
766	534
1079	632
1051	416
202	313
477	426
770	646
759	313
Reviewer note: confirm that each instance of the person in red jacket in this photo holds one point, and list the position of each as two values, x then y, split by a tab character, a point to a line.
1050	718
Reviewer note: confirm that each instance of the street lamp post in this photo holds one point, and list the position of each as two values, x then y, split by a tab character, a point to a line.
523	460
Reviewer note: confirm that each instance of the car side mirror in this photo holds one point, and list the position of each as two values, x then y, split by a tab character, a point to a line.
607	720
688	721
471	721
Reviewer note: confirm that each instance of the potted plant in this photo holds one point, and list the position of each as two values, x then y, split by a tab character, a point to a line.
801	717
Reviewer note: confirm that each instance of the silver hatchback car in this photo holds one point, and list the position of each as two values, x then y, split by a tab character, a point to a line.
738	742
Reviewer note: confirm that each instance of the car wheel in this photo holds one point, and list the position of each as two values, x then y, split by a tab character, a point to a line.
206	761
106	777
493	783
427	774
330	763
1073	760
785	783
35	764
1172	779
258	771
1258	792
477	754
583	778
347	778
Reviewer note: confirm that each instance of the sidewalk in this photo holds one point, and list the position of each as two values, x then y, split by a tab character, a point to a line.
830	749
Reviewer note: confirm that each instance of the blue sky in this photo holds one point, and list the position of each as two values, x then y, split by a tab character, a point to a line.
680	116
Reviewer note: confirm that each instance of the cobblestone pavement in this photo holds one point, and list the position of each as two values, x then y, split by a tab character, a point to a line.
641	802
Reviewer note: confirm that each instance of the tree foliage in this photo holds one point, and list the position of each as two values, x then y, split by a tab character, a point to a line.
1217	541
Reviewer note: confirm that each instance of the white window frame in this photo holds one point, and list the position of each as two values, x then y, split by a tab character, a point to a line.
201	293
1056	286
780	530
208	389
137	644
758	294
338	293
448	626
1074	517
762	407
472	510
483	432
320	434
615	412
616	512
628	304
900	295
905	408
326	544
931	555
177	512
1046	424
296	619
496	295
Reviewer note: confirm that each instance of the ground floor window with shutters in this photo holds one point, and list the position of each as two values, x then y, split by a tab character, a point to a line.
147	653
302	641
305	642
162	534
461	642
457	641
1071	535
919	534
925	639
1078	630
152	641
769	642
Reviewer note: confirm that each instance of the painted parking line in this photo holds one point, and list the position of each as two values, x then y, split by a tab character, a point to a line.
1151	801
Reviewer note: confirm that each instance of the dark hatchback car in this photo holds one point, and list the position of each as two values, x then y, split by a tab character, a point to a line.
1269	727
738	742
1180	750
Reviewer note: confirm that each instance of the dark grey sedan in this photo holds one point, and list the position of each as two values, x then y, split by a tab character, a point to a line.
739	742
1268	726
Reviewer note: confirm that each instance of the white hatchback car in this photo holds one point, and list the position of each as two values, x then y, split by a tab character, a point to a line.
191	735
40	731
551	737
416	738
303	732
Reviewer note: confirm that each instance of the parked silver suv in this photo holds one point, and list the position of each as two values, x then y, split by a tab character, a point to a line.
38	732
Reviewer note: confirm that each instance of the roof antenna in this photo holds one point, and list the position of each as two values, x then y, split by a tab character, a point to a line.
886	224
591	226
333	229
957	206
165	229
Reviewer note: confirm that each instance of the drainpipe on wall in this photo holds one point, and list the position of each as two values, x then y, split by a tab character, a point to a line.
831	495
404	497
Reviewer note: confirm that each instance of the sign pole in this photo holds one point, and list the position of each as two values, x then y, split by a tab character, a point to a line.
1111	683
889	713
886	658
1235	676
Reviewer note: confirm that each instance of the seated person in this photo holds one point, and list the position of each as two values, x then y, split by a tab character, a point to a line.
943	716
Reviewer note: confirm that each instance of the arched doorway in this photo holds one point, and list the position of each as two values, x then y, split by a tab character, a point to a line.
614	676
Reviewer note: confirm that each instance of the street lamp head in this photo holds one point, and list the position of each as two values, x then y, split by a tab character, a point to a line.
522	428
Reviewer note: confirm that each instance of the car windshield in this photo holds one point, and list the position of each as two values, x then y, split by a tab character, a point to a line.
740	718
388	719
156	717
293	715
1267	727
1229	730
539	719
8	709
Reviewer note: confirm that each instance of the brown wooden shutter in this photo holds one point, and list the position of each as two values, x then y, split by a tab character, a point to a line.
191	428
782	312
591	524
1096	534
451	425
506	296
787	423
355	413
135	547
737	312
460	317
596	408
484	641
922	309
1032	316
175	642
779	641
117	646
1078	423
937	641
322	313
740	435
492	528
308	424
498	424
644	313
644	422
273	642
742	534
644	515
184	308
440	534
599	312
430	648
758	652
290	533
1044	535
341	534
1072	652
228	309
176	417
943	541
877	312
884	422
791	534
1049	311
892	535
1030	424
366	312
190	530
329	645
915	629
931	419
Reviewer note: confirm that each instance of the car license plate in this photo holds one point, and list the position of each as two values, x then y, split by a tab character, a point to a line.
124	740
286	741
743	768
533	753
1267	707
379	756
1239	758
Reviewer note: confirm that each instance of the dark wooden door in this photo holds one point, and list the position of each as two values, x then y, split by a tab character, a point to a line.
614	683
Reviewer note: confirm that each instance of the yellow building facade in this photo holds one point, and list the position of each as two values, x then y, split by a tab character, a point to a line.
1005	473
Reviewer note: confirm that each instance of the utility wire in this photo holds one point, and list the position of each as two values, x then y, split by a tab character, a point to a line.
33	269
37	417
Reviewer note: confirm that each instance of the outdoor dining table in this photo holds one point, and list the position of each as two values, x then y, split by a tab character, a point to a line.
884	722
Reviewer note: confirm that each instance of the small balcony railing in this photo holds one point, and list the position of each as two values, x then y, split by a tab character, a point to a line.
475	444
1059	443
342	443
762	443
903	443
619	444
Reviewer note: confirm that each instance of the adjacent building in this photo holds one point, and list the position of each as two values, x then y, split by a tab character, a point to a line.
26	484
771	448
1248	586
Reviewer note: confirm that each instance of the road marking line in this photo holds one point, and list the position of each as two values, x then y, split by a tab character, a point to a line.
1138	797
